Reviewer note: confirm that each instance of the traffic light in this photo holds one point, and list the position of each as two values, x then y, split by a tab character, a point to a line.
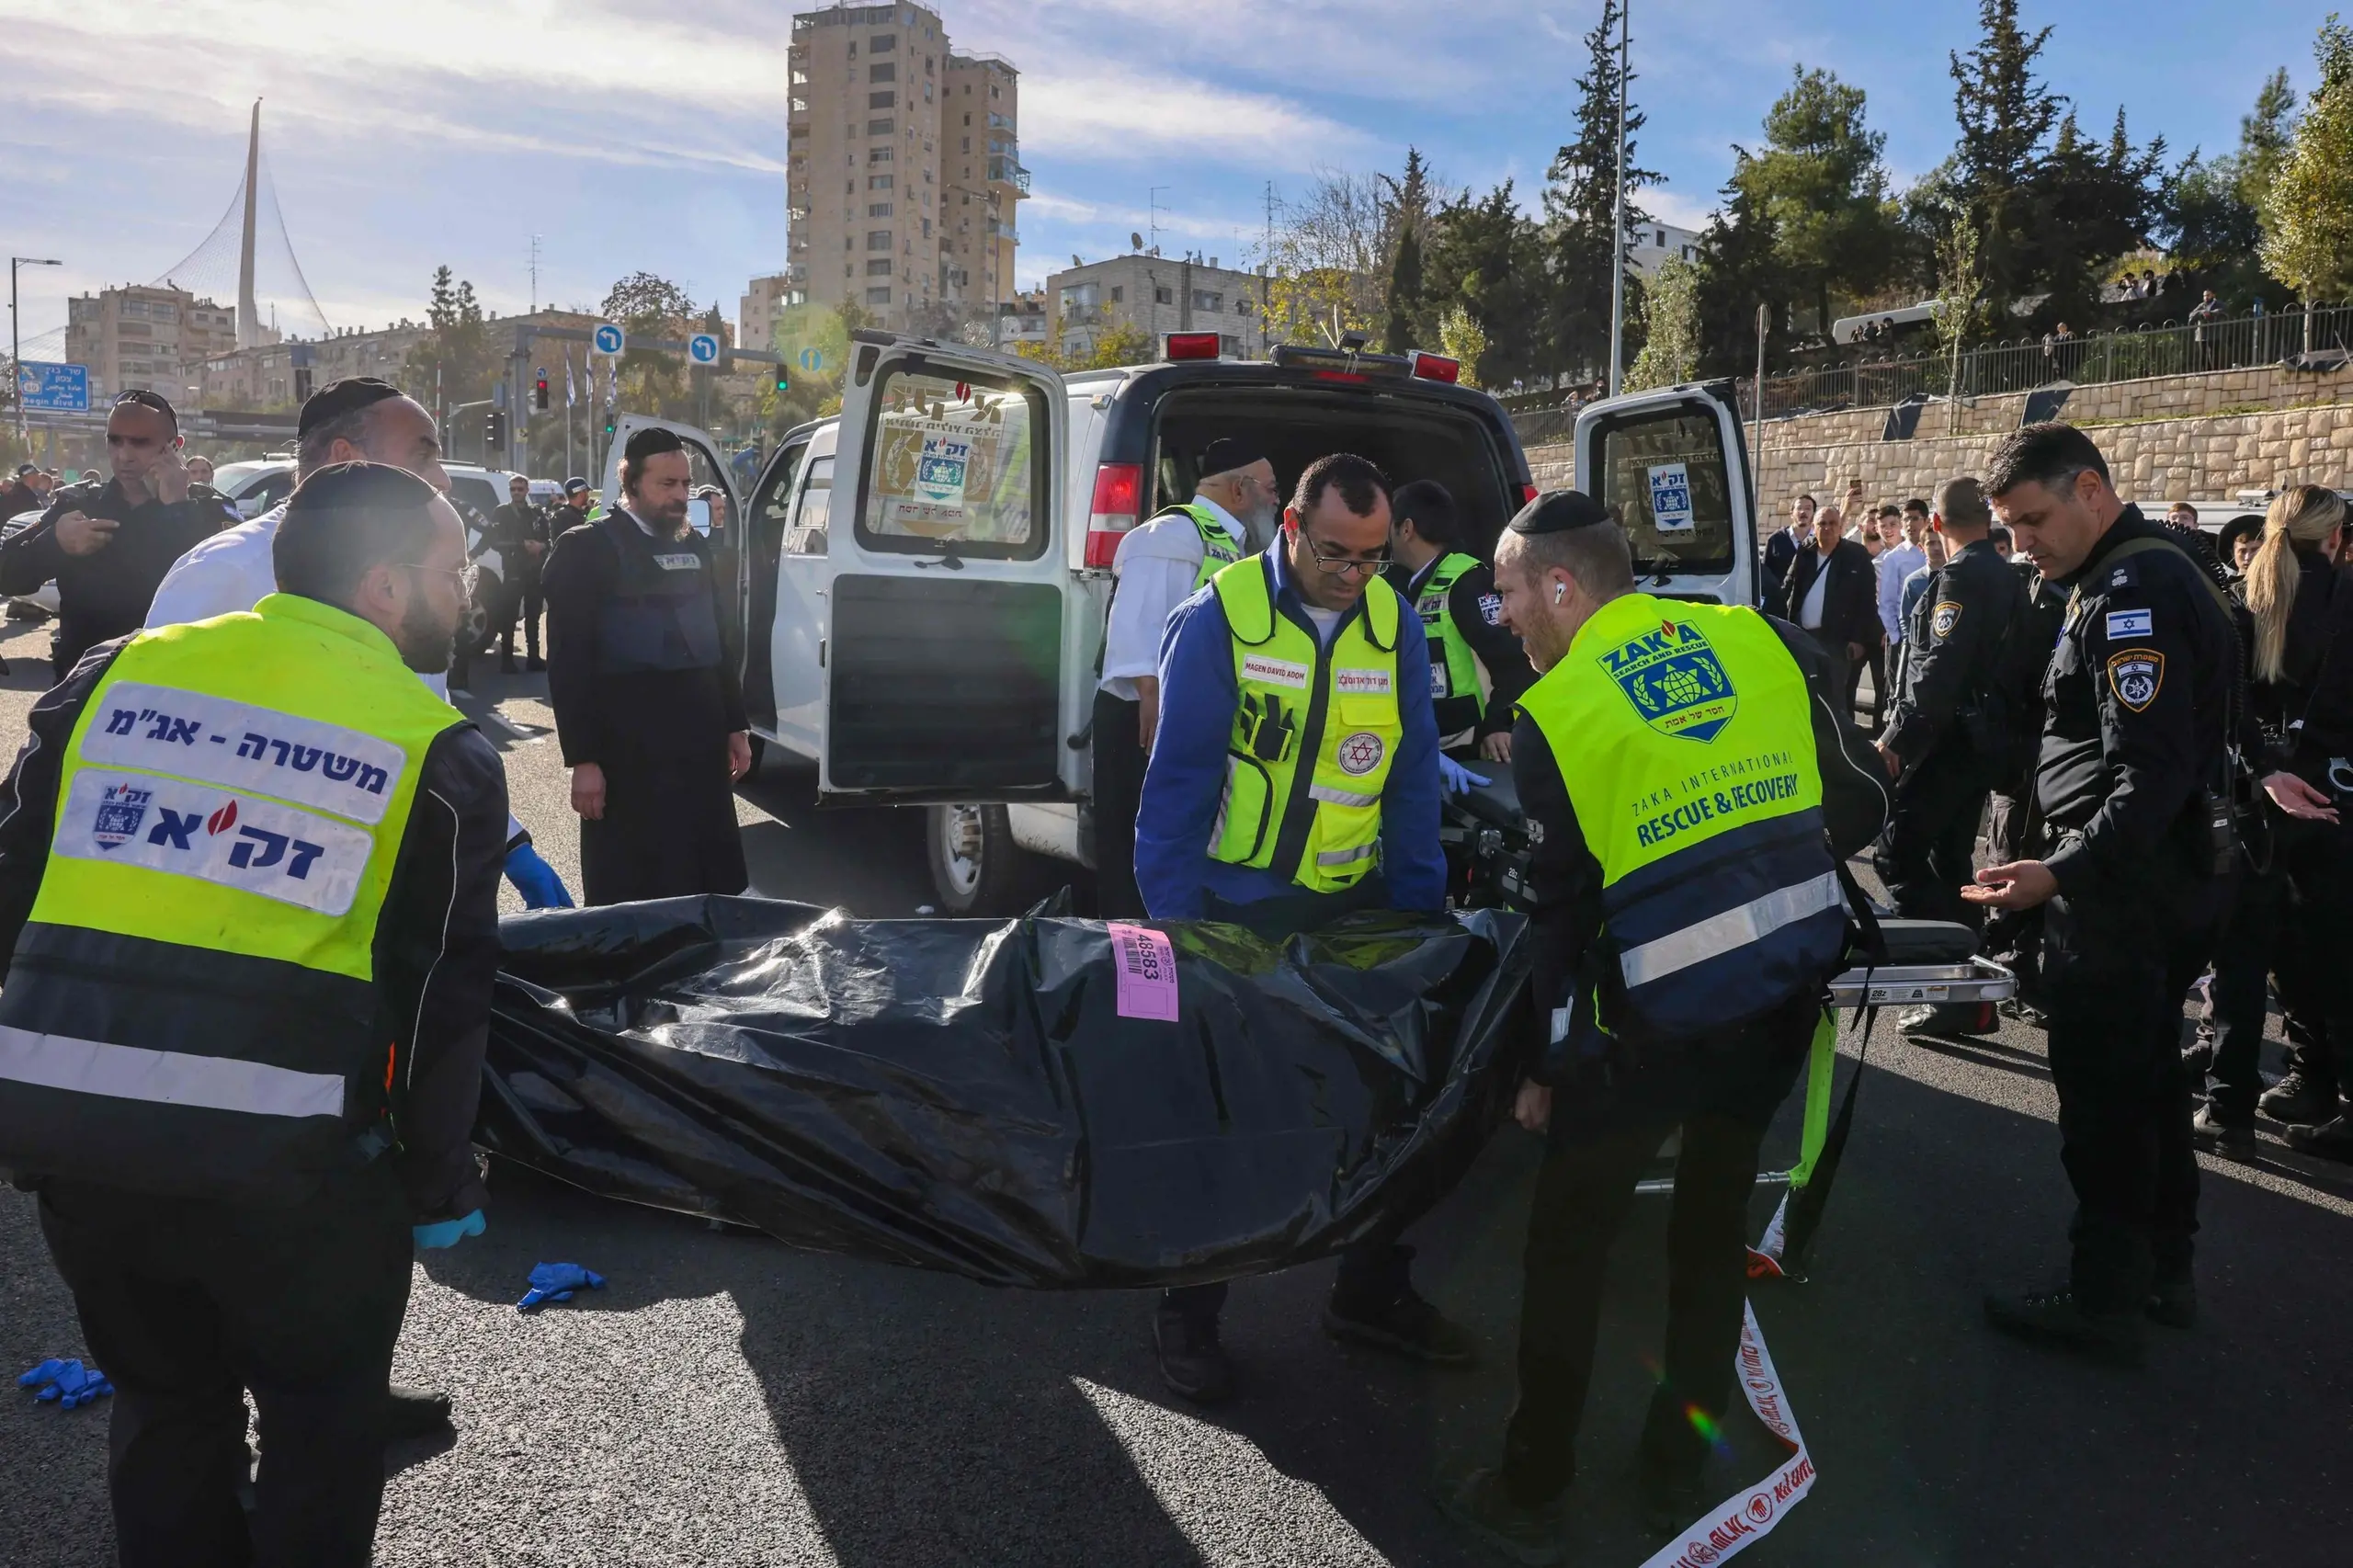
783	382
609	425
494	431
541	392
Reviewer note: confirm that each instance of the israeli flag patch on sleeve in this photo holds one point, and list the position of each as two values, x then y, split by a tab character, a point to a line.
2130	623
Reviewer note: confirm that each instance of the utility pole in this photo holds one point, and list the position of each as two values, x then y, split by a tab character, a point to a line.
535	275
1756	442
1618	225
16	345
1266	277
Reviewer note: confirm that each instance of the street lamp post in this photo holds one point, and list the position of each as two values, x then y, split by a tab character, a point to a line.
1618	239
996	323
15	348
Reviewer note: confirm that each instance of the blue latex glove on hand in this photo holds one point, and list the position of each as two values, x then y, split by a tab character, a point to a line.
536	880
556	1282
66	1384
449	1232
1455	778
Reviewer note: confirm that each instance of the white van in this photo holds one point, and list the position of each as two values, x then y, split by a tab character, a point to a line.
924	579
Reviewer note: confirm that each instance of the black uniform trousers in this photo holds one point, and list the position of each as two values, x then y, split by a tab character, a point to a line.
184	1305
1374	1271
2117	964
522	601
1724	1098
1119	761
1928	851
2285	924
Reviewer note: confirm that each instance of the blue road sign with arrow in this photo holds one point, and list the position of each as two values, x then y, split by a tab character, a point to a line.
703	349
607	338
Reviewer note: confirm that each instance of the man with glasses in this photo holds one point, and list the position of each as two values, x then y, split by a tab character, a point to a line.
1233	511
1294	779
109	544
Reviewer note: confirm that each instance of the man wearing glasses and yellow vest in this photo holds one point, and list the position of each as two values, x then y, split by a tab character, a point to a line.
249	883
1295	778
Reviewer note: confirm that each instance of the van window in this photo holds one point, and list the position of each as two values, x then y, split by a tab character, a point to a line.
954	461
808	533
1640	455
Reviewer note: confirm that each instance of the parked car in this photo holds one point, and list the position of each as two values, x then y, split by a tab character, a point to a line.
933	640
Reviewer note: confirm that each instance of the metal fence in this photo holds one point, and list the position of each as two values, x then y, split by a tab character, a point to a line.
2170	350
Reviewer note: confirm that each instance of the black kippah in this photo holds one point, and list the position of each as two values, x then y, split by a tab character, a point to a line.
349	487
650	440
1557	511
336	399
1227	453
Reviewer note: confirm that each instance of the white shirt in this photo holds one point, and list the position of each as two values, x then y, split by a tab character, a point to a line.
1895	565
1810	613
235	570
1326	621
1156	564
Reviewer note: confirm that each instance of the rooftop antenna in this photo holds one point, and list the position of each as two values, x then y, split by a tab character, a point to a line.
535	275
1157	208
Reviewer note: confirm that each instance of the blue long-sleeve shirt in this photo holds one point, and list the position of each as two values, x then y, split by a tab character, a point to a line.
1184	782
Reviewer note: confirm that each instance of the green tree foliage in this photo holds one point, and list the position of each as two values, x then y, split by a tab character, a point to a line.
2005	113
652	380
1487	260
1464	340
1582	244
2089	202
2308	211
1741	267
1408	325
1819	180
456	363
1670	353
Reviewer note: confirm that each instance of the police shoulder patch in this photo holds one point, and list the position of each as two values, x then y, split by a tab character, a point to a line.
2136	675
1945	618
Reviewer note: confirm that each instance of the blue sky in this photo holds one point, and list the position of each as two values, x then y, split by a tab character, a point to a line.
404	135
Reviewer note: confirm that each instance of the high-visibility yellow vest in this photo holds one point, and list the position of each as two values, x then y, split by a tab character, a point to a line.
1319	825
192	1004
1218	549
1454	669
1685	736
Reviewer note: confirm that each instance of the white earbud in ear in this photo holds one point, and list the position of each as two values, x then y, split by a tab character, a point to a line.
1558	589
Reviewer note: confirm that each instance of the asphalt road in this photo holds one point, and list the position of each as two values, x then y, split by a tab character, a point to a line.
728	1401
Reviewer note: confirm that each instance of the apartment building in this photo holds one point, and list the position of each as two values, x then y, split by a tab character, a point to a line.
1655	242
902	167
763	301
155	339
274	375
1156	294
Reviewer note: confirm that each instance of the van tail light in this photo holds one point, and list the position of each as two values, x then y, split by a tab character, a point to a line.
1529	492
1435	366
1118	503
1192	346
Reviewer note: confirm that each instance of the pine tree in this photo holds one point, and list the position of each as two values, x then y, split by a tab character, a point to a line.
1484	259
1580	211
2308	212
2004	114
2265	137
1405	294
1670	328
1740	268
1819	179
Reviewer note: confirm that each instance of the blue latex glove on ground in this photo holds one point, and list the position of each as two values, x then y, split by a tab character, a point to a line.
66	1384
1455	778
449	1232
536	880
556	1282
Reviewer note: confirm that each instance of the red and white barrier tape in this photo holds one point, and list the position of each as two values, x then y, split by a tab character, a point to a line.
1748	1516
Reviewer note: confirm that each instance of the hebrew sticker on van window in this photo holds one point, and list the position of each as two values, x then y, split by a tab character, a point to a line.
951	470
1671	498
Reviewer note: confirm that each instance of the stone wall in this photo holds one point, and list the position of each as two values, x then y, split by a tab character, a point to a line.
2207	458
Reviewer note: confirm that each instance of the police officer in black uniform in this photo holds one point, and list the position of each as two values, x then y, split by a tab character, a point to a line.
1946	746
108	544
2136	873
518	531
643	677
1454	592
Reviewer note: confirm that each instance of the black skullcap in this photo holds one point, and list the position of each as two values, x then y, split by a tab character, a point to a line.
345	518
336	399
1227	453
652	439
1558	512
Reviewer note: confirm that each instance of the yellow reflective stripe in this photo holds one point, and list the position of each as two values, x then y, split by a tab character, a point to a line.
1330	796
164	1077
1734	928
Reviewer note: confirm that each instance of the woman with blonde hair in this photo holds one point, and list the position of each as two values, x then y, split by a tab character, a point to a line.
2300	687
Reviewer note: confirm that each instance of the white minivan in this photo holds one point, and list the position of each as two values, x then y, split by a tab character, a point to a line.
924	579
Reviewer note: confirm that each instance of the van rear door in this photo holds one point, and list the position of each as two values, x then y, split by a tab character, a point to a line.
1672	464
702	456
952	625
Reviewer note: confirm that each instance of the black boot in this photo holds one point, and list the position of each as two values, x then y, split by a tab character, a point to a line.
2297	1101
414	1413
2055	1320
2173	1302
1192	1362
2231	1140
1483	1505
2331	1139
1406	1325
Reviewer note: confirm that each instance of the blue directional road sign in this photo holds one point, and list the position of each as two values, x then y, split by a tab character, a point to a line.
607	338
702	348
60	389
813	360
